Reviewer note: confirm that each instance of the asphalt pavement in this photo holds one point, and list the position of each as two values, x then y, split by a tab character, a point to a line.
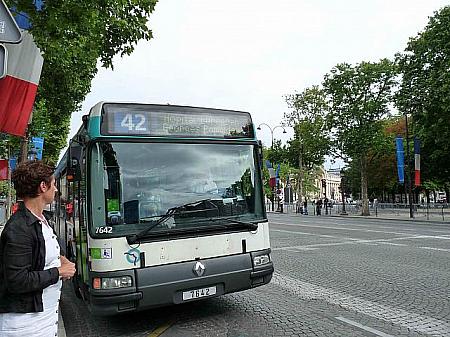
334	276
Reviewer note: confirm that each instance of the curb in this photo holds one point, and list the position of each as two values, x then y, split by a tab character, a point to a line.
371	217
413	220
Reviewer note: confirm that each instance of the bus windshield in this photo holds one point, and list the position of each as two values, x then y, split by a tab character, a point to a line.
134	184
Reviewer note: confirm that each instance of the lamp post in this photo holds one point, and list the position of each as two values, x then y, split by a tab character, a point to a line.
272	129
343	193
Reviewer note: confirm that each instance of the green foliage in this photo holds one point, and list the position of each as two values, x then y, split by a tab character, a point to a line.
425	93
73	36
359	100
311	141
307	117
382	164
4	189
277	154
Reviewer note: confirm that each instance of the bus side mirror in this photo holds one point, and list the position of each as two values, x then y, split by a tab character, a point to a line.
260	152
85	120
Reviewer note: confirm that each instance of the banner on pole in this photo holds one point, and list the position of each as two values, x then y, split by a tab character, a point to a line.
12	163
400	159
37	147
416	161
3	169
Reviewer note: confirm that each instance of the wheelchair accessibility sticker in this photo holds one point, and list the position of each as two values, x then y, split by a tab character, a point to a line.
133	256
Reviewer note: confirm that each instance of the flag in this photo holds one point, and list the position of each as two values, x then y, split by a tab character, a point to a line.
12	163
400	160
416	161
18	88
37	147
3	169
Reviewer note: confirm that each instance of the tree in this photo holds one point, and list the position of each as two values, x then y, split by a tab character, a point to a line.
73	35
425	93
359	98
381	163
311	143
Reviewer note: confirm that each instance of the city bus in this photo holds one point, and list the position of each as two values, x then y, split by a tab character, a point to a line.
161	205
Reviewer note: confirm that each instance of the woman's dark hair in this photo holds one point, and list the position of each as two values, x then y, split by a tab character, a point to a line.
28	176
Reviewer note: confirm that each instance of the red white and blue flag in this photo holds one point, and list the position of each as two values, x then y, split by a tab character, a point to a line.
3	169
18	88
416	162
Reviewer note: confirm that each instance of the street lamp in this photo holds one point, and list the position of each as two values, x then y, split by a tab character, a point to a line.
272	129
343	193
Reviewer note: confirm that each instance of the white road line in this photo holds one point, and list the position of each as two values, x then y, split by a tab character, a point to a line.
338	228
438	249
393	244
411	321
444	233
351	242
312	234
363	327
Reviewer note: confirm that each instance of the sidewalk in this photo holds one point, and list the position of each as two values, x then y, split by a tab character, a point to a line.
396	216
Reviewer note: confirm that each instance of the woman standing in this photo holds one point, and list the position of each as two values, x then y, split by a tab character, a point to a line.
31	263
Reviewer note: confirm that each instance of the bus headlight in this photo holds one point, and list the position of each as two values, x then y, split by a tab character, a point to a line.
112	282
261	260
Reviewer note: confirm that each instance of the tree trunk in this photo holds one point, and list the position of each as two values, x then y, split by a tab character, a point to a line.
23	156
364	179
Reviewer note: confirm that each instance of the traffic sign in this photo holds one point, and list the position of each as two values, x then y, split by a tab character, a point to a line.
3	57
9	31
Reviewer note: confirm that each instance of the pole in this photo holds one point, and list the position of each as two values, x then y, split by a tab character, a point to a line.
9	200
274	189
343	195
408	173
23	149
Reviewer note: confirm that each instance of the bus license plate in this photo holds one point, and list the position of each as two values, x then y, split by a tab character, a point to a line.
197	293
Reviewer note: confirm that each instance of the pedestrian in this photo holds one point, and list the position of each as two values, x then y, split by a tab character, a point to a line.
319	207
32	265
305	207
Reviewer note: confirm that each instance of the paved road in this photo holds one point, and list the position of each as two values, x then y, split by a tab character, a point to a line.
334	277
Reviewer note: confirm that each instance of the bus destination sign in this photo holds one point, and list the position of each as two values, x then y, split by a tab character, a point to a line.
159	120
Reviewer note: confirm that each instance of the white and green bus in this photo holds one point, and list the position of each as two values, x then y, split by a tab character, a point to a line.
161	205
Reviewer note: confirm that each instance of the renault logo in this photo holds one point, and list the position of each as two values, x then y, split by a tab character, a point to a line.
199	268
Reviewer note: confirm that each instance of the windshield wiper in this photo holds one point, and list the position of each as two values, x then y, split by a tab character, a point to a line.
131	239
249	225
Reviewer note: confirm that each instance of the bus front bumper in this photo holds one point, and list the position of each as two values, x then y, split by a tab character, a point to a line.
183	282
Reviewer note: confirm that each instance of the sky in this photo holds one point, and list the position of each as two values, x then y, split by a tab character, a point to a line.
247	55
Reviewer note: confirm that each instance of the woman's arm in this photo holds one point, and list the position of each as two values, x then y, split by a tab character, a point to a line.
18	261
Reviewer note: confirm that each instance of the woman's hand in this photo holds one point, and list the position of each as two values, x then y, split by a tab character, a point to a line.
67	269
